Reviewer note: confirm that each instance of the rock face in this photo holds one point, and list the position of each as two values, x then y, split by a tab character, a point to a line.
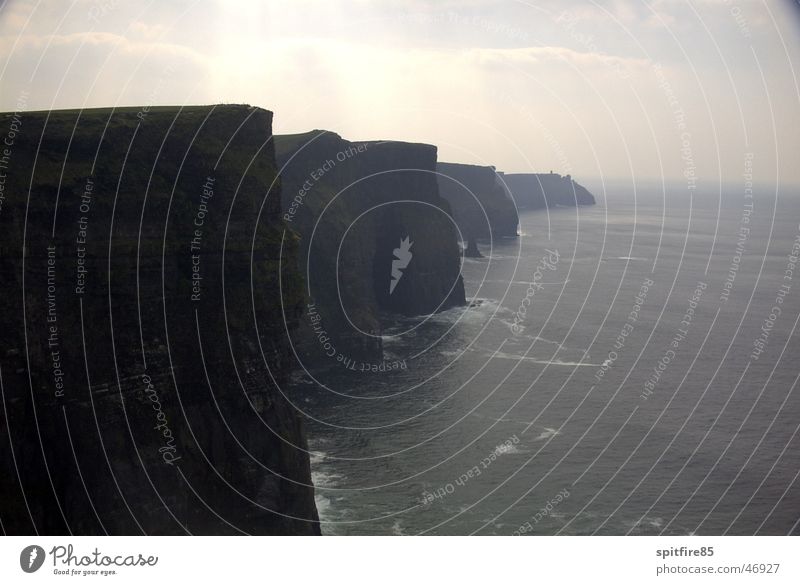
148	286
472	251
375	237
537	191
480	204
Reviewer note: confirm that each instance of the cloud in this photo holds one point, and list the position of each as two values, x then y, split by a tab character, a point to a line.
96	68
104	41
424	70
540	55
148	32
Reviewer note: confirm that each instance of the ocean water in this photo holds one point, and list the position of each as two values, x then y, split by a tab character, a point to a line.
628	395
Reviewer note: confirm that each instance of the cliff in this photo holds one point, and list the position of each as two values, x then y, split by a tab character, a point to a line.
148	285
537	191
375	237
479	202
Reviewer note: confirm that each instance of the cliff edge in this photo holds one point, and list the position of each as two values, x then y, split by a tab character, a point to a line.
542	190
149	288
479	202
375	236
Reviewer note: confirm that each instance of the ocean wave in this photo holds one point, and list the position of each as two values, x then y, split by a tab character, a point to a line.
508	356
647	524
323	504
453	353
506	449
501	420
299	377
323	479
477	311
546	434
487	256
317	457
572	364
527	339
517	282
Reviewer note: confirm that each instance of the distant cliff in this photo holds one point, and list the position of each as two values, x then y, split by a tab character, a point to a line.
537	191
480	205
148	286
375	236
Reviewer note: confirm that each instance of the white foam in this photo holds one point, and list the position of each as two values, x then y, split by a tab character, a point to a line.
506	449
508	356
323	507
317	457
546	434
647	521
448	353
478	313
519	282
572	364
299	377
322	479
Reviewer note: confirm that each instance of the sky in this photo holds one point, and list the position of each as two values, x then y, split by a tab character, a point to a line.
688	91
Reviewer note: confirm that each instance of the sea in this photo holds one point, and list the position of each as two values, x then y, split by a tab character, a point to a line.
624	368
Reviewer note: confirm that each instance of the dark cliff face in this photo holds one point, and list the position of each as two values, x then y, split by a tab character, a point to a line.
479	202
149	284
375	236
537	191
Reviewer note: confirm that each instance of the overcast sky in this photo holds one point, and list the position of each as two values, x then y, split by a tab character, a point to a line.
597	89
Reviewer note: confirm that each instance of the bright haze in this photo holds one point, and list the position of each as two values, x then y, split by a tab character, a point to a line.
633	89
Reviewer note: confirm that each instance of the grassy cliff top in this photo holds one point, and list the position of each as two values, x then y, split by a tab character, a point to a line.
465	166
135	109
291	142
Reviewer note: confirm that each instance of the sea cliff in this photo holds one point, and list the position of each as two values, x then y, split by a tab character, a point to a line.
149	288
542	190
376	237
480	204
